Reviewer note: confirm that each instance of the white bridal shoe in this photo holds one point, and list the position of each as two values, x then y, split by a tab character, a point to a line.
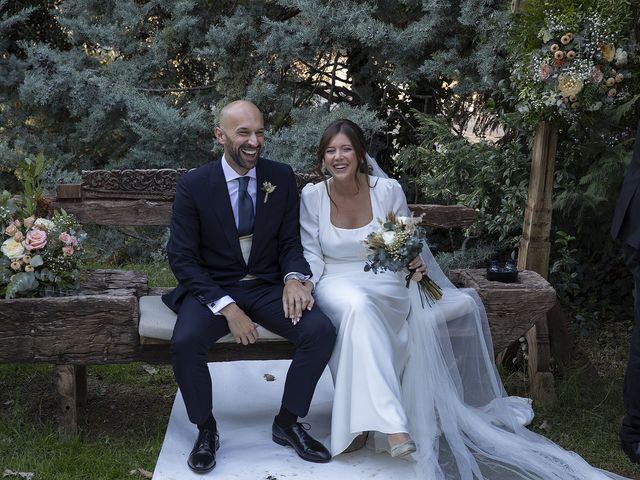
403	449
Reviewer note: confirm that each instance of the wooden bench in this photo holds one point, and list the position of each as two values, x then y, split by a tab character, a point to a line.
101	324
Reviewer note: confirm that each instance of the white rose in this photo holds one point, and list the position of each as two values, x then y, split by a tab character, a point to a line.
12	249
388	237
621	57
44	224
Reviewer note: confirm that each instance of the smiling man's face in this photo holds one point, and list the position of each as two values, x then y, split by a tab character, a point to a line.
241	132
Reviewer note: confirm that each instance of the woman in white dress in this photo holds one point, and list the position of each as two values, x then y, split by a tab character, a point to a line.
413	375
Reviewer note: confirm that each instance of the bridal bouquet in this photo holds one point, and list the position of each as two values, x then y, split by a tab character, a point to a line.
40	248
398	241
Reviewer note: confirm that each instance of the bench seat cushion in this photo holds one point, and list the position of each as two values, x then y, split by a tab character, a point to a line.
157	321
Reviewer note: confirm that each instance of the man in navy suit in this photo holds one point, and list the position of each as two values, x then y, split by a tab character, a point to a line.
626	228
235	250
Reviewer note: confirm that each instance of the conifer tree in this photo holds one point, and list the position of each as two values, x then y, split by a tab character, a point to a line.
136	83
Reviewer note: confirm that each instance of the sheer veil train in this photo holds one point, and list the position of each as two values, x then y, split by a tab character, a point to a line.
465	425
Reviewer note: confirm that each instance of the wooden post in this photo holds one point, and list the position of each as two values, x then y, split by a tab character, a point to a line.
516	6
534	253
534	244
66	376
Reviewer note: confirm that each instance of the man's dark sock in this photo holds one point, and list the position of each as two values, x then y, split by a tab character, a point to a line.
209	423
285	418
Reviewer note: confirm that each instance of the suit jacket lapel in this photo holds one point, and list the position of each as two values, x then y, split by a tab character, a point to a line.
223	208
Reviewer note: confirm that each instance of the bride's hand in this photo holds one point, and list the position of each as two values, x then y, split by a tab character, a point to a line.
296	298
418	265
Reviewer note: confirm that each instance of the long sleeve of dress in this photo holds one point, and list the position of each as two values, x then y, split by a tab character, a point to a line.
396	198
309	230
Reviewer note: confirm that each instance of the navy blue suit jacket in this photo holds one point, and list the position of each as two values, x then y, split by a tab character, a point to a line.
204	250
626	219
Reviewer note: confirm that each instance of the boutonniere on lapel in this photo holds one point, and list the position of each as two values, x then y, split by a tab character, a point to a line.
267	188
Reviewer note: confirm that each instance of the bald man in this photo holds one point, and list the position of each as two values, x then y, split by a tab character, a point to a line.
235	250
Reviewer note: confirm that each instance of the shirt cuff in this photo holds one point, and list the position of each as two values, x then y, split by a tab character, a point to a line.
299	276
218	305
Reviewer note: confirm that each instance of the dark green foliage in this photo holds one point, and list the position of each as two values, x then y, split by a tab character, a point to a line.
491	178
96	84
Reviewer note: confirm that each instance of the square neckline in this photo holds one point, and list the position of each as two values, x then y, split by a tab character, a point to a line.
373	216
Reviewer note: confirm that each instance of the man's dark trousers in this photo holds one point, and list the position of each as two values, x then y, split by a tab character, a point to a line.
313	337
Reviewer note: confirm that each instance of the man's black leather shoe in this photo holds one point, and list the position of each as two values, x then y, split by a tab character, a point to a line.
202	458
632	449
304	444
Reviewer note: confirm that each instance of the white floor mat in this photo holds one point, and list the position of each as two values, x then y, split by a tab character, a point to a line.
245	404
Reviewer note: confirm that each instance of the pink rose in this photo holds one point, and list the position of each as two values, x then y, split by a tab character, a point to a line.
67	250
35	239
545	71
11	230
28	222
17	223
68	239
596	75
18	236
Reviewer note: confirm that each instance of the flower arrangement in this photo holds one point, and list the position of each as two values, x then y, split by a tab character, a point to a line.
578	61
40	248
398	241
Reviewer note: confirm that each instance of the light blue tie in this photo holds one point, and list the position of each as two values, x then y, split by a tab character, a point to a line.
245	208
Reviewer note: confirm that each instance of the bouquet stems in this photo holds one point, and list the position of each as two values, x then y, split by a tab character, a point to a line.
429	290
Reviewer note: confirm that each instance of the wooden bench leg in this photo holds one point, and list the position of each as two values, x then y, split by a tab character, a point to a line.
71	383
541	382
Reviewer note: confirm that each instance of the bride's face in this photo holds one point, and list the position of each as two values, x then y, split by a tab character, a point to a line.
340	158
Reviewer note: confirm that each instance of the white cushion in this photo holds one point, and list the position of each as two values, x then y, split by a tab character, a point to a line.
157	321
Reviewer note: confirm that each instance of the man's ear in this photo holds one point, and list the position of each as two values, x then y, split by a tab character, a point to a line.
219	135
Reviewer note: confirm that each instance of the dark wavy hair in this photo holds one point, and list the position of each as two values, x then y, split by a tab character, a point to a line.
355	135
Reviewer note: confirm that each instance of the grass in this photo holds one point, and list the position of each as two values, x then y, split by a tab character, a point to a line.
123	425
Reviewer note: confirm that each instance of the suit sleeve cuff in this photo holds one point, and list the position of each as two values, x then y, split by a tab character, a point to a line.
218	305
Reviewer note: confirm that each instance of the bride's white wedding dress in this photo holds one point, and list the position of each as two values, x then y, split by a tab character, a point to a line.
399	367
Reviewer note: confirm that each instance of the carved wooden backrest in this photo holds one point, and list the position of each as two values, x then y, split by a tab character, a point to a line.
144	197
150	184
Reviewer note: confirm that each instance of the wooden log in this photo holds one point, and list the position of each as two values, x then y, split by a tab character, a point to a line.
114	282
445	216
276	350
65	379
146	212
150	184
511	307
79	330
118	212
69	191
